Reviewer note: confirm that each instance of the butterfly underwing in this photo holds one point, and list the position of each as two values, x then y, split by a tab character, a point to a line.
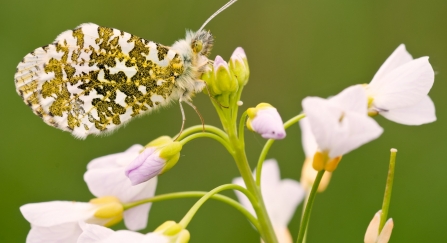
93	79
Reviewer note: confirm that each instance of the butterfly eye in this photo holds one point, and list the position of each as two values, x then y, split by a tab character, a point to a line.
197	46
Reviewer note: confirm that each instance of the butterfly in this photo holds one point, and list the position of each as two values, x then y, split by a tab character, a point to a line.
93	79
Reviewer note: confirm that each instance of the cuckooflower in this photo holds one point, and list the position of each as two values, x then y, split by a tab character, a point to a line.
158	157
372	233
308	173
239	65
105	176
57	221
340	125
265	120
169	232
281	198
399	90
220	78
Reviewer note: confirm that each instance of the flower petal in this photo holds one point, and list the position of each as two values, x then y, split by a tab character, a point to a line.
99	234
114	159
323	118
404	86
136	218
308	139
399	57
353	98
63	233
282	201
354	131
48	214
268	124
373	229
146	166
92	233
421	113
385	235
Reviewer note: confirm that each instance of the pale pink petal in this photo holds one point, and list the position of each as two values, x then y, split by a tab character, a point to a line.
113	160
145	167
308	139
282	202
404	86
268	124
421	113
399	57
99	234
323	118
281	197
353	131
48	214
336	130
92	233
353	98
62	233
385	235
373	229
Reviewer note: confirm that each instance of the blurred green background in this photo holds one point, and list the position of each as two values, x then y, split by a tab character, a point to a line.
295	49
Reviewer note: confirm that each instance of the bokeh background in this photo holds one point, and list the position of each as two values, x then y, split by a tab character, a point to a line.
295	49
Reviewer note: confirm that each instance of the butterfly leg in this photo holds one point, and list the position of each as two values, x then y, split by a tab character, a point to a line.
198	113
183	119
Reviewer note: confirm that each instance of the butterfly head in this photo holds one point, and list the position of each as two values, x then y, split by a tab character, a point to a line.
202	42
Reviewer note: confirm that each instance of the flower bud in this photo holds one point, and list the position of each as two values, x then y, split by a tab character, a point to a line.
239	66
158	157
372	232
174	231
110	208
265	120
225	80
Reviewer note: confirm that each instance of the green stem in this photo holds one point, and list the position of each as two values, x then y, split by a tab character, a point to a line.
187	218
199	128
190	194
241	127
239	156
388	190
224	142
269	144
308	209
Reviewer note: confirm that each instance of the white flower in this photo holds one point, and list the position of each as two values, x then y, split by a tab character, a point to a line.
105	176
340	124
57	221
281	197
372	233
399	90
92	233
98	234
265	120
308	173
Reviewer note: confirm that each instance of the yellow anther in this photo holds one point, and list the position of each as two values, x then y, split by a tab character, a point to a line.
332	164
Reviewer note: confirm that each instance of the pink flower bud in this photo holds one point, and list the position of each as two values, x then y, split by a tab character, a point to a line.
265	120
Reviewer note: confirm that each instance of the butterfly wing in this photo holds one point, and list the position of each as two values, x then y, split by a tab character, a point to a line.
93	79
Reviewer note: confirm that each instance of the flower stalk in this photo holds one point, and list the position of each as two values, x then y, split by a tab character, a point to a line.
388	190
308	209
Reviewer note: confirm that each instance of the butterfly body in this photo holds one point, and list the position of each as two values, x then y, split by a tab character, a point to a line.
94	79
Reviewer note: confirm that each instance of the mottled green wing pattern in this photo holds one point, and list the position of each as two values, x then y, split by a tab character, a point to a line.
93	79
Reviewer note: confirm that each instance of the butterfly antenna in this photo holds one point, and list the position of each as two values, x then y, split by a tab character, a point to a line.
228	4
